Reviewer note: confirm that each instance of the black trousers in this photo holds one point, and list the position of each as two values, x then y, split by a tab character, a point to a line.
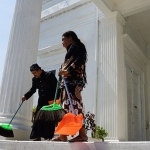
42	129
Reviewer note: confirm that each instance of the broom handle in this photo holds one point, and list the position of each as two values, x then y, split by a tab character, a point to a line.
15	113
68	95
56	90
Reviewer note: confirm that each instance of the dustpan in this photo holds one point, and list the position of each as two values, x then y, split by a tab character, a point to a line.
51	102
71	123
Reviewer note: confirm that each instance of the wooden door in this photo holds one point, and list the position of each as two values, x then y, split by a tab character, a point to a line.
134	105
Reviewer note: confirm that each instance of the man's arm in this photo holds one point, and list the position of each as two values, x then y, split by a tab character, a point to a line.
30	92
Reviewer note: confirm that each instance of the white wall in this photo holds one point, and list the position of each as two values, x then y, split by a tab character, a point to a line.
82	20
50	4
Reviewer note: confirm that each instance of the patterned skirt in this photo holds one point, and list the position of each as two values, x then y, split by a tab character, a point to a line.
75	94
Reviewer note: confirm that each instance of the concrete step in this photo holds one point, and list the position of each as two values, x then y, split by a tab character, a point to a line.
47	145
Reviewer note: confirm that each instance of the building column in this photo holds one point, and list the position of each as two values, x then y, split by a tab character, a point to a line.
112	103
21	54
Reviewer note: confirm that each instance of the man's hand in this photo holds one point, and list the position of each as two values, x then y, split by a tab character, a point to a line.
23	98
63	72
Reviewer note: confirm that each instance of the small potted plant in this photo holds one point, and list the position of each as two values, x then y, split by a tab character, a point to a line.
33	113
97	131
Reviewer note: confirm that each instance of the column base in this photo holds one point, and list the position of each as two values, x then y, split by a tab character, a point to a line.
21	127
19	135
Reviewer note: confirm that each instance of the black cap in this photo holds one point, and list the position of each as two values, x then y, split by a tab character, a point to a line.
34	67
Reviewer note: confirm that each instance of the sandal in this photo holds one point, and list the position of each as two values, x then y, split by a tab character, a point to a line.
58	139
78	139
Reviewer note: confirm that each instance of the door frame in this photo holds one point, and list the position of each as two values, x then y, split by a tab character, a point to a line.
135	58
140	103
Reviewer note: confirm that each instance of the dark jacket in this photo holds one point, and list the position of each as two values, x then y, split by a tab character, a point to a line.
75	63
46	85
76	56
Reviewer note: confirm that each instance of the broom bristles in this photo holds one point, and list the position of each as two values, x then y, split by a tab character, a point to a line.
6	133
50	116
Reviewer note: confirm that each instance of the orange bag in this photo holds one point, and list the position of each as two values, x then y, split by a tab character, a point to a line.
51	102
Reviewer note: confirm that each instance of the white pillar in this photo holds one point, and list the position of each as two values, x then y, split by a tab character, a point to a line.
21	54
111	103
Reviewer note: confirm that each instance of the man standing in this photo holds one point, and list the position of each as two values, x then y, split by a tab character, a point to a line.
46	83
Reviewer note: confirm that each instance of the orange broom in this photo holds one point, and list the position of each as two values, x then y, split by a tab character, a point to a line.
71	123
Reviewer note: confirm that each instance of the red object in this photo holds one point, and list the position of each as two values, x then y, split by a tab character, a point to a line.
52	102
70	124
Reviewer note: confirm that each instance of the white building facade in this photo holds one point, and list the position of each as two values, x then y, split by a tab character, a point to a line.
116	35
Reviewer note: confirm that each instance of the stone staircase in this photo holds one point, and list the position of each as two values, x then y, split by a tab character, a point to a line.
47	145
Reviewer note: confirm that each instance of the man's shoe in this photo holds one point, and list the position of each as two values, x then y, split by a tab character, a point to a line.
37	139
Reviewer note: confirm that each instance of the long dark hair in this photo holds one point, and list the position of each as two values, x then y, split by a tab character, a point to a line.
77	40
